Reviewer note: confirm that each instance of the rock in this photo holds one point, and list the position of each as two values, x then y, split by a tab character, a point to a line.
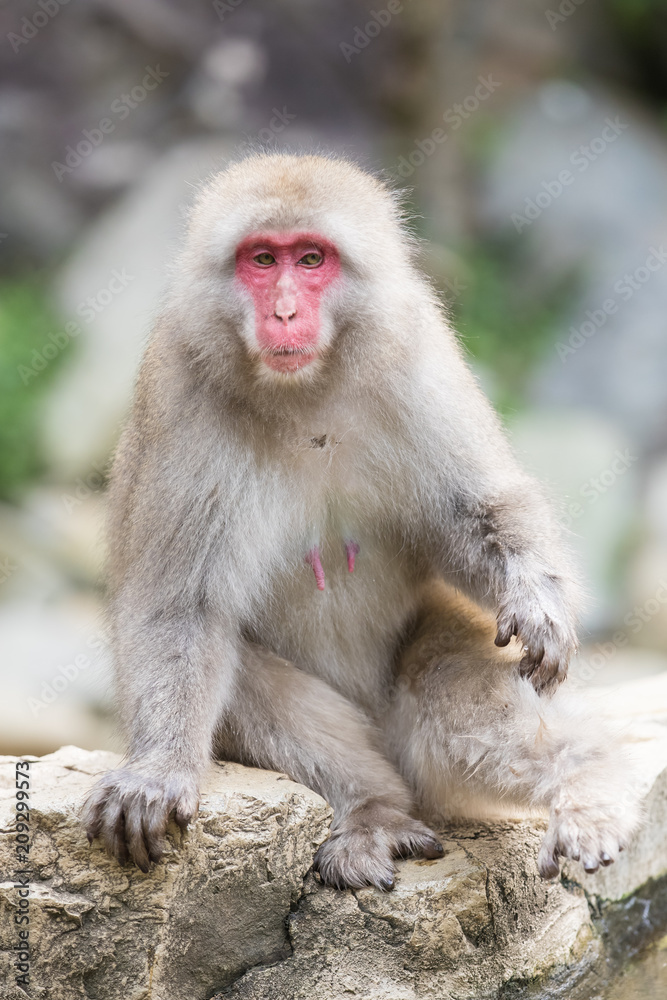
234	912
215	907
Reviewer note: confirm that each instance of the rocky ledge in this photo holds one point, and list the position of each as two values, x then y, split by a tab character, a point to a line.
235	912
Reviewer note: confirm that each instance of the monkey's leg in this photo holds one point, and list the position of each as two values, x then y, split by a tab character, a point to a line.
465	728
283	718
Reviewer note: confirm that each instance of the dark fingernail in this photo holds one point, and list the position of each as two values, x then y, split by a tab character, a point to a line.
549	871
387	884
606	859
591	869
432	849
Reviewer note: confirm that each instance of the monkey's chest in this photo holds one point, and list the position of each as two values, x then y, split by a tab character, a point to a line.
336	605
337	611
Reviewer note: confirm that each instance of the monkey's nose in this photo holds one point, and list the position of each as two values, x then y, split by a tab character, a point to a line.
285	309
284	313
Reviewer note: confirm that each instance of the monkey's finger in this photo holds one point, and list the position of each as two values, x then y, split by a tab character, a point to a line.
547	860
505	631
156	818
530	662
93	814
185	812
182	819
94	826
548	675
114	829
134	832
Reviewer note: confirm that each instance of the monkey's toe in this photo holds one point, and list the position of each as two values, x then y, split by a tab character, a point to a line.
594	835
548	865
353	860
432	849
361	851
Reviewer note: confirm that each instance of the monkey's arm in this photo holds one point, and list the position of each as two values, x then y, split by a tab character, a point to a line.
174	633
497	538
505	556
173	682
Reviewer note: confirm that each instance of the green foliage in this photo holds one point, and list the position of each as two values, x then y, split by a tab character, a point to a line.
636	10
507	317
25	322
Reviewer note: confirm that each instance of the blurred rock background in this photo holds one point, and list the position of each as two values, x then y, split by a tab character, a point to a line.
533	139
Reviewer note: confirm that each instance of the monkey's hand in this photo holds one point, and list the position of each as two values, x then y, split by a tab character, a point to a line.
129	811
537	613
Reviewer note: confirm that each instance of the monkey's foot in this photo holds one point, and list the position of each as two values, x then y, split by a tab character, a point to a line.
362	849
129	812
594	834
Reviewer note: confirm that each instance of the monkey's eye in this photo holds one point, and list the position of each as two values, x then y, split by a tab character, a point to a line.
312	259
264	259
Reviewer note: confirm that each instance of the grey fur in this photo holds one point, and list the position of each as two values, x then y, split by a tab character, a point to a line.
385	693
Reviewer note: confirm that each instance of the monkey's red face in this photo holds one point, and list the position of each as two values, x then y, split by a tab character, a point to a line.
286	274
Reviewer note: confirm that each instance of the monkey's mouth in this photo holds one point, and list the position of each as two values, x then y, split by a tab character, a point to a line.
288	359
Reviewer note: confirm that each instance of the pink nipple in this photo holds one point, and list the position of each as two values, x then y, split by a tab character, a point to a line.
352	549
313	559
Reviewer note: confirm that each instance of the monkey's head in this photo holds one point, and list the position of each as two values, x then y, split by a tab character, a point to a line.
286	275
284	254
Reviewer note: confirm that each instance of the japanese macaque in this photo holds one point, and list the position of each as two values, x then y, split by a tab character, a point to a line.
324	558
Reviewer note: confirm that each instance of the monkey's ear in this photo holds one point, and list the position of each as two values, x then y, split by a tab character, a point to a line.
505	632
